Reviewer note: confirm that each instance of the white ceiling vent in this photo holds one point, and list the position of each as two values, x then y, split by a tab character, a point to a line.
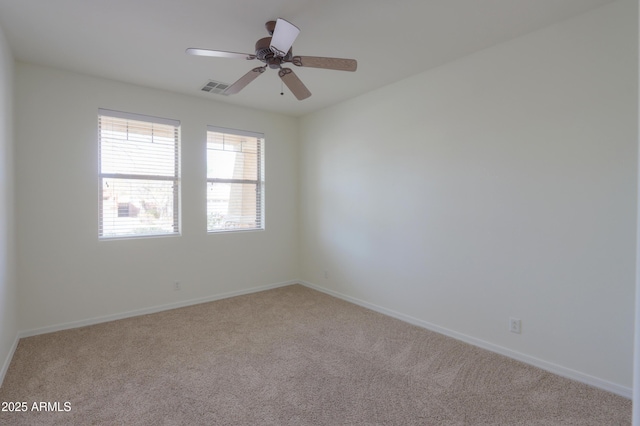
216	87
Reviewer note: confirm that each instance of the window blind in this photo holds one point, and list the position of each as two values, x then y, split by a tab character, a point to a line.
139	175
235	180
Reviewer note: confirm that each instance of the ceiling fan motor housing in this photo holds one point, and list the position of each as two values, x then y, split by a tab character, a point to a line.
266	55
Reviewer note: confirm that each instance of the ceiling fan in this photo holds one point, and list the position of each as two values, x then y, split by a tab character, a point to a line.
275	51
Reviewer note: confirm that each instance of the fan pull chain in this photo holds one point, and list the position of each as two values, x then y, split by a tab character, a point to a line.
281	88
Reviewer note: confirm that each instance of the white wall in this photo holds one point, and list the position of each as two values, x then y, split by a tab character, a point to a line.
499	185
8	282
636	351
66	274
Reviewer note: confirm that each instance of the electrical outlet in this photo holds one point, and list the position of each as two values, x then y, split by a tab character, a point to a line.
177	286
326	274
515	325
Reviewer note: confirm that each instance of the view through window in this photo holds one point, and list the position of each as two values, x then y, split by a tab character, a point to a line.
235	180
139	175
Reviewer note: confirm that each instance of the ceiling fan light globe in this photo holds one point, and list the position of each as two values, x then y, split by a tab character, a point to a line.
284	35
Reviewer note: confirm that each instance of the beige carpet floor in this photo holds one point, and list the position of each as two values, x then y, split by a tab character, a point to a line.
288	356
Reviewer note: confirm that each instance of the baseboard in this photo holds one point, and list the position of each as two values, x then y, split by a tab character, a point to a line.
7	361
548	366
145	311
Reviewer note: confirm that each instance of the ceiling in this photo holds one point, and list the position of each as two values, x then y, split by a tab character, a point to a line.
143	41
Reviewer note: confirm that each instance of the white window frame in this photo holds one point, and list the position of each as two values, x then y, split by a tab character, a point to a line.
175	178
259	182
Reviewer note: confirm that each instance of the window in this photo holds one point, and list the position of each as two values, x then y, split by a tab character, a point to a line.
235	180
139	175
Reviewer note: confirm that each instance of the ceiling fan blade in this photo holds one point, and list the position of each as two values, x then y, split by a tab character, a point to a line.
339	64
244	80
294	84
283	37
218	53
